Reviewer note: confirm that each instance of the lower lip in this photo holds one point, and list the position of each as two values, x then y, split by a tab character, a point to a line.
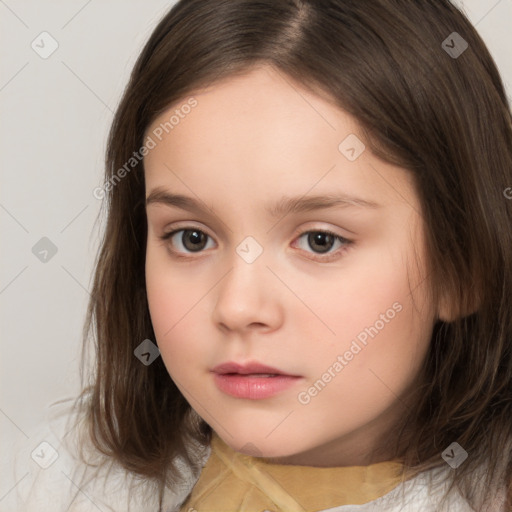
253	387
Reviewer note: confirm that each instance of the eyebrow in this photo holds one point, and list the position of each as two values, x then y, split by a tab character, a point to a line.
285	206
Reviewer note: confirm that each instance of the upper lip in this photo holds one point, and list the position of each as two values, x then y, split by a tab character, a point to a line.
248	368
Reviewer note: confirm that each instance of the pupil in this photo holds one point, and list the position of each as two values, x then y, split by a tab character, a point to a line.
321	241
194	241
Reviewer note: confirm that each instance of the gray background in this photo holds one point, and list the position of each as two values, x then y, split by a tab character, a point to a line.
55	115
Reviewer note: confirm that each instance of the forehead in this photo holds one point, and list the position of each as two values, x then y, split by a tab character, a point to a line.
256	112
260	131
267	88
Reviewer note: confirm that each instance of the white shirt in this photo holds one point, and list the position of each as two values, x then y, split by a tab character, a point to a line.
49	477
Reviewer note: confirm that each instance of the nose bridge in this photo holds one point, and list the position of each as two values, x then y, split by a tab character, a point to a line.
244	296
249	250
248	267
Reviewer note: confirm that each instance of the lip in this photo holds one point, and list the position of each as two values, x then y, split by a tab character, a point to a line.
248	369
246	381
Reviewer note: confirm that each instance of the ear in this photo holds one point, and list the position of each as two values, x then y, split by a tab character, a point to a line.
446	310
449	309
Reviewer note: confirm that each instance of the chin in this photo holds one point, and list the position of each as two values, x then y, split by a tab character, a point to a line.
257	436
265	448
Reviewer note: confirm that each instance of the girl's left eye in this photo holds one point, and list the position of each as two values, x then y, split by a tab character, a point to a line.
194	240
323	241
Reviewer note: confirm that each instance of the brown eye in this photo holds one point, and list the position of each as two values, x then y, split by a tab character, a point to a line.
320	241
187	240
193	240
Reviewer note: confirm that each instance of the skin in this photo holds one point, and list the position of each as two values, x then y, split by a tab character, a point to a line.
249	140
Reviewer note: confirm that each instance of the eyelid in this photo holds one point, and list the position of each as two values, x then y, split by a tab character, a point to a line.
185	225
308	228
298	232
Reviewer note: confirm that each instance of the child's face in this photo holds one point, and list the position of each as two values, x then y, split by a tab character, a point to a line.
338	316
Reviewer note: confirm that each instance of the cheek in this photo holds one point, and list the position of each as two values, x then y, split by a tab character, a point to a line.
379	361
170	300
376	284
178	345
382	334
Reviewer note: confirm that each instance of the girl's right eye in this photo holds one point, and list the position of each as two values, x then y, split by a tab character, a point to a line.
190	241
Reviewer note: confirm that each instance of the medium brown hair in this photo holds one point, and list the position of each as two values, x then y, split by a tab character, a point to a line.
444	118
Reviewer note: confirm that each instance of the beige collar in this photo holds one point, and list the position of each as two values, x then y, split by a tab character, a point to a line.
231	481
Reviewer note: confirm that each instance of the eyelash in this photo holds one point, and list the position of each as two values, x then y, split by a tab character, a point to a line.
320	256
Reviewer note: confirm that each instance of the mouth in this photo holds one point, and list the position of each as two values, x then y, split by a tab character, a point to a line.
249	369
253	381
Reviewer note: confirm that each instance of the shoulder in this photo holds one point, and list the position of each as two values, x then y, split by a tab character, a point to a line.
50	475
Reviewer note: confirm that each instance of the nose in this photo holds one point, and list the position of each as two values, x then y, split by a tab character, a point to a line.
249	297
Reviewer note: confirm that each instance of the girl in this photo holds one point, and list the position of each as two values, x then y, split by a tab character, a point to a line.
302	298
